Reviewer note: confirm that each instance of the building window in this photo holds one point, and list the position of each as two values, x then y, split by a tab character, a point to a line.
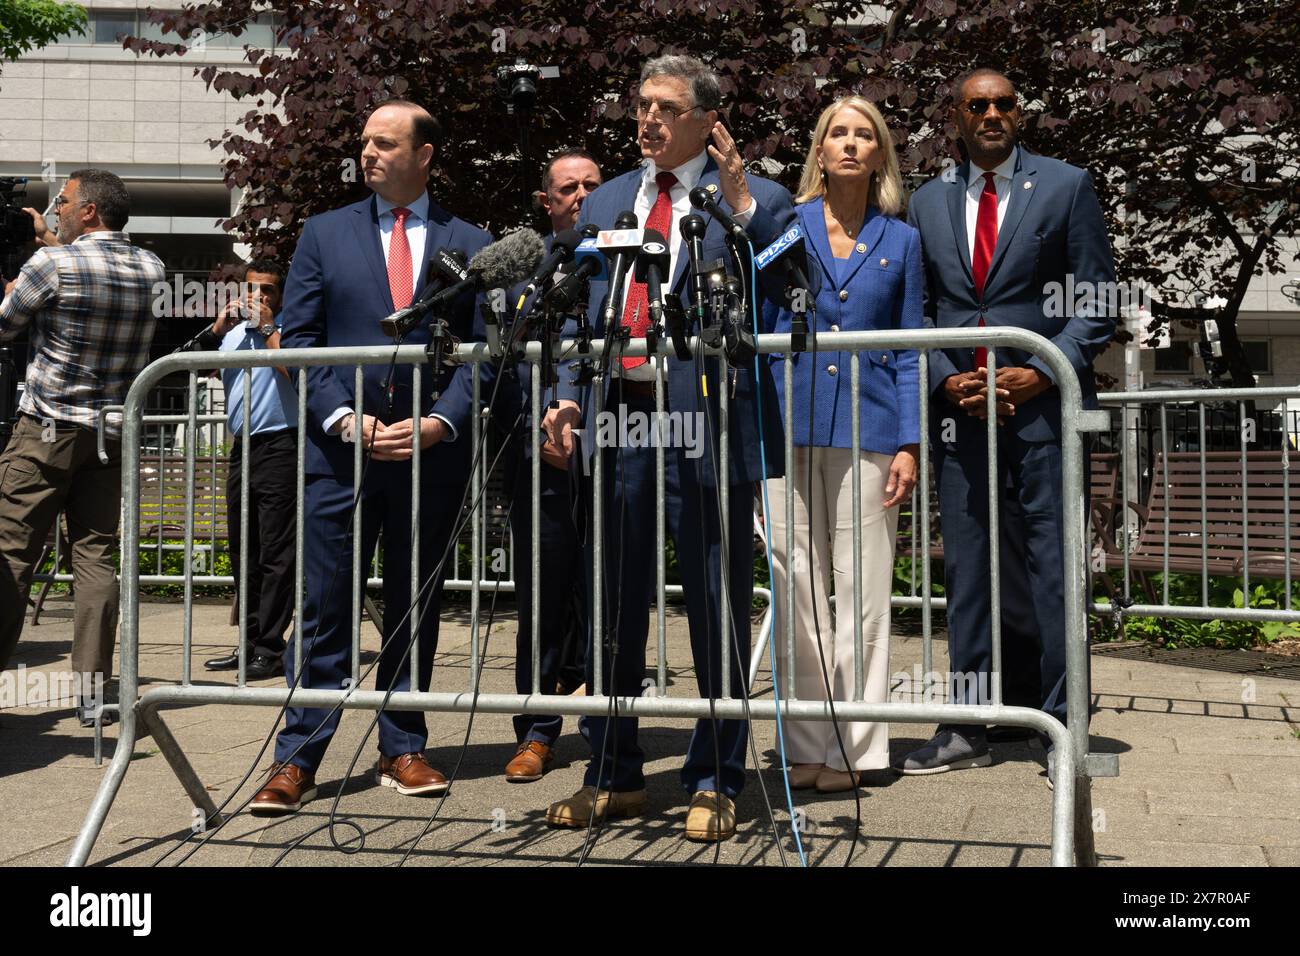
1260	356
108	28
1175	360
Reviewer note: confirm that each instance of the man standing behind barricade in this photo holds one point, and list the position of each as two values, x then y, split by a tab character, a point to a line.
353	266
250	323
562	629
684	147
86	296
995	239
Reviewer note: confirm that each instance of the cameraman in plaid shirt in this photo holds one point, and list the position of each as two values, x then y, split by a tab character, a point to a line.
86	297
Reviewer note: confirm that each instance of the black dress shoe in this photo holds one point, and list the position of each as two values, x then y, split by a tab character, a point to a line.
262	666
229	662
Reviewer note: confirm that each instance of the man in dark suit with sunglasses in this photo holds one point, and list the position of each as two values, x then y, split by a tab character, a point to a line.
996	239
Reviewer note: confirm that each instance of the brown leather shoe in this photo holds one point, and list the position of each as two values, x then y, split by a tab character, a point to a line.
287	790
529	763
410	775
582	808
711	817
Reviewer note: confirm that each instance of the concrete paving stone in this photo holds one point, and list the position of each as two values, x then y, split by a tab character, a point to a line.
1180	726
1164	781
1185	828
1262	806
1282	855
1155	853
1262	782
999	816
1278	745
1139	761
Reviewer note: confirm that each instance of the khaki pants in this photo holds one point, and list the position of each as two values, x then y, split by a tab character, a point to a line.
38	478
823	551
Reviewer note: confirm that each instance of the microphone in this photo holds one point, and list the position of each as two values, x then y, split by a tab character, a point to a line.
562	247
651	266
590	266
499	265
692	228
620	247
790	252
703	200
447	266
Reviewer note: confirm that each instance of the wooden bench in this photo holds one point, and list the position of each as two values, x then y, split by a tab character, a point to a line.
1103	484
1222	549
162	502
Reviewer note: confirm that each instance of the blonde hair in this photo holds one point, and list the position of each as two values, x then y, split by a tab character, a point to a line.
886	192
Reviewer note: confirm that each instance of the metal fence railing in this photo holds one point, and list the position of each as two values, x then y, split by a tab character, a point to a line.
1199	485
1071	834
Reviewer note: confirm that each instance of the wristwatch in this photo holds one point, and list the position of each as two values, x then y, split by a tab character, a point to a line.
266	329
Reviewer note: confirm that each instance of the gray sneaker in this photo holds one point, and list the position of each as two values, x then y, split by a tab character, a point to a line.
947	750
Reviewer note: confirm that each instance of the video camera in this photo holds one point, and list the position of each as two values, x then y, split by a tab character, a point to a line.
17	231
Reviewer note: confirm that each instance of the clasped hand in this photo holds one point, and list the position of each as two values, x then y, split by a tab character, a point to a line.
393	442
1013	386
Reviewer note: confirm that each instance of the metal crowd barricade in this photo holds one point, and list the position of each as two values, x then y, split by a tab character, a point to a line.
1071	834
1240	537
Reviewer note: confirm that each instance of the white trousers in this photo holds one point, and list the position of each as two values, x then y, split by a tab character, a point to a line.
822	553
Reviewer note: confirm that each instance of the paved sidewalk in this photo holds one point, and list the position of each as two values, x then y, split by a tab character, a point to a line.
1209	746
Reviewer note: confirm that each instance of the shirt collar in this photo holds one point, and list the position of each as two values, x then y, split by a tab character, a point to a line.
103	235
688	173
419	208
1004	170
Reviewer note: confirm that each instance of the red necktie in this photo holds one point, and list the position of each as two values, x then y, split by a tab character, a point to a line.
399	260
986	239
636	313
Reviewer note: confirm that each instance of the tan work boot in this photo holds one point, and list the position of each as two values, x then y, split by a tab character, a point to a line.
712	817
576	811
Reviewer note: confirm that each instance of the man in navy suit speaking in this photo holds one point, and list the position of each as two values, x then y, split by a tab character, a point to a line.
683	146
353	266
996	239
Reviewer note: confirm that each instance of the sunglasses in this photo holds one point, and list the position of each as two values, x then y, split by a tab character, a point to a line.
980	104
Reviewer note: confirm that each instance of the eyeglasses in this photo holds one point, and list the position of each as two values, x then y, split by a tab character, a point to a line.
666	112
980	105
60	201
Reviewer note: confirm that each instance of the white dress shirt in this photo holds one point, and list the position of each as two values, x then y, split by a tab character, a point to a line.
688	176
1001	182
416	233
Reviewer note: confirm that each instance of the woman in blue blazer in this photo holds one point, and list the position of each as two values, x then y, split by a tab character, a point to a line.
864	264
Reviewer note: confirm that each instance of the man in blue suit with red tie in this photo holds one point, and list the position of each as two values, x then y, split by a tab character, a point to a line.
352	267
684	146
995	240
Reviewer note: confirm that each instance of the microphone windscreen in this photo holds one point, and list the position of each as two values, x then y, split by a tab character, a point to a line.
626	220
693	227
509	260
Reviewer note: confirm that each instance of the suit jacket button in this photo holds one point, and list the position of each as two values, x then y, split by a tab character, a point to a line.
884	358
844	295
831	370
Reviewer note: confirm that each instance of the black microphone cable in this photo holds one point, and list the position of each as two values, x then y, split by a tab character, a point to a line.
423	599
730	612
298	677
356	502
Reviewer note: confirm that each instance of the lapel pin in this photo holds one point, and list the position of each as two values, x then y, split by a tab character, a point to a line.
861	247
712	187
884	262
1029	185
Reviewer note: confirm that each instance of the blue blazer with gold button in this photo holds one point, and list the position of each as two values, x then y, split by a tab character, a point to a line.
880	286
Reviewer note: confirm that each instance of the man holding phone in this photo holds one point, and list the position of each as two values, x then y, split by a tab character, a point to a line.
249	322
